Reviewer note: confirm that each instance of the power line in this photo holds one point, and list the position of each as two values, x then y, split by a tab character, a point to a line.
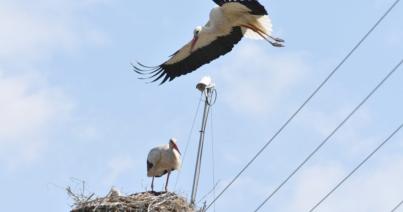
397	206
356	168
305	102
208	193
330	135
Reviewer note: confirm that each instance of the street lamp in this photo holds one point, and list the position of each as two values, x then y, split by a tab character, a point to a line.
207	87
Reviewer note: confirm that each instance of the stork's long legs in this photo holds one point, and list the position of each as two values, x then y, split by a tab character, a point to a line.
152	184
278	41
166	183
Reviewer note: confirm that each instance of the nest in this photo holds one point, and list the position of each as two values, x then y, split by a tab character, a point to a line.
139	202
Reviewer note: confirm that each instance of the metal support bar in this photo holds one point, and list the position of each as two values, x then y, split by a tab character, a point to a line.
207	105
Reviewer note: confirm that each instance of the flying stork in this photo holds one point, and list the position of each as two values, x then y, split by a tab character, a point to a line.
162	160
229	22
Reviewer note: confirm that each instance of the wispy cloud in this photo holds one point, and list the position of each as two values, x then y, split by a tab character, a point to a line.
27	111
256	81
244	189
351	136
30	34
118	166
372	189
393	37
316	180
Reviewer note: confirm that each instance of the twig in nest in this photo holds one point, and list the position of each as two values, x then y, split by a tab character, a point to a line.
160	201
79	199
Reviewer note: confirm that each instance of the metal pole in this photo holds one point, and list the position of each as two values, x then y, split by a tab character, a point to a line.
201	143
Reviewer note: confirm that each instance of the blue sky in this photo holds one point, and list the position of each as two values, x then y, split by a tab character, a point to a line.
70	106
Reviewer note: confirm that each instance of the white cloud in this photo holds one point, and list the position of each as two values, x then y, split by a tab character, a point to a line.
256	81
375	187
243	194
27	111
351	136
393	37
315	180
118	166
32	32
87	132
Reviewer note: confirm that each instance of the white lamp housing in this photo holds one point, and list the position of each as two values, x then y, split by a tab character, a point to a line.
204	83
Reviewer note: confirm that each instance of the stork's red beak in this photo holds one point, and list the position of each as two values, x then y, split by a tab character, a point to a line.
177	149
195	38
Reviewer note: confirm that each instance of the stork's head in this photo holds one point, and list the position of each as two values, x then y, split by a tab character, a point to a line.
196	32
172	144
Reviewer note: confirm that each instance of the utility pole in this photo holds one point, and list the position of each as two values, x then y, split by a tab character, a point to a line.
208	89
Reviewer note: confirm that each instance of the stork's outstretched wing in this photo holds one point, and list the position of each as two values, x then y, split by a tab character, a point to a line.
254	6
209	46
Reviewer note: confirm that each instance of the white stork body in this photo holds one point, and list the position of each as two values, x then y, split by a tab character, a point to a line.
162	160
238	15
228	23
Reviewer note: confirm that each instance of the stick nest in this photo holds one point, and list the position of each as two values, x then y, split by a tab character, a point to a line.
139	202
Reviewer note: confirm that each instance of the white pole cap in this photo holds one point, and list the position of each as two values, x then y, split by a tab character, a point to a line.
204	83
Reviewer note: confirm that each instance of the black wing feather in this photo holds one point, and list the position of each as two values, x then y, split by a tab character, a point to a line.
199	57
163	173
255	7
149	165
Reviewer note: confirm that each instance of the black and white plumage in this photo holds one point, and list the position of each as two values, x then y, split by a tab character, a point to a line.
228	23
162	160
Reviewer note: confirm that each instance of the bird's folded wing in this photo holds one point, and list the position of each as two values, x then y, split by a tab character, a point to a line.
208	47
154	156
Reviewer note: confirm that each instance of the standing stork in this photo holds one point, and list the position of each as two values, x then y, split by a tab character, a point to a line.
162	160
229	22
